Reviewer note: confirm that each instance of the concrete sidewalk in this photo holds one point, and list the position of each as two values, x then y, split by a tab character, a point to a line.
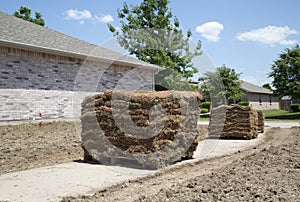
53	182
210	148
268	124
282	124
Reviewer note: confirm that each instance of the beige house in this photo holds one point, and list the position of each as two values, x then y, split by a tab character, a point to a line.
259	97
46	72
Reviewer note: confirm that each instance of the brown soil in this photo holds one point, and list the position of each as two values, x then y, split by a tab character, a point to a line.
268	172
29	146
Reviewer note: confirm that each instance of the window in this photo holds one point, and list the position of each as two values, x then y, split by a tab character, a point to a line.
259	99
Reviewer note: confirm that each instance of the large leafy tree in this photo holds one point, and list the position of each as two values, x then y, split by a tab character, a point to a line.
151	33
286	73
25	14
221	85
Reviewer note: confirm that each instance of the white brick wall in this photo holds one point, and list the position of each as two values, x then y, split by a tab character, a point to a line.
20	104
49	84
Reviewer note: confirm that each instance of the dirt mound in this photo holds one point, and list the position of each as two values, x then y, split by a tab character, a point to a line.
146	129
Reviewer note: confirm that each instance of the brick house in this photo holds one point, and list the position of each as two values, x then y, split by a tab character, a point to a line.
259	97
44	71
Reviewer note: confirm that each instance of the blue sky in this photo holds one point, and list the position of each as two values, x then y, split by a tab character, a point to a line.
245	35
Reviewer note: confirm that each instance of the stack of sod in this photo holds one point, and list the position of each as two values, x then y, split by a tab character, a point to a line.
233	121
145	129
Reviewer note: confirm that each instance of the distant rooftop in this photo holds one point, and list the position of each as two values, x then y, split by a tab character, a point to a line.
20	33
251	88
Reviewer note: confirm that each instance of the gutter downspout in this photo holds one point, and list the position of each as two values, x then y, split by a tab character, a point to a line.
153	78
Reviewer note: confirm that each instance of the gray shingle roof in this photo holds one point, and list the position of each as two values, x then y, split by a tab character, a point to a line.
251	88
24	34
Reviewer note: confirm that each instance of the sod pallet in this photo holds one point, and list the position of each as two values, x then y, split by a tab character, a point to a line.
141	129
235	121
261	121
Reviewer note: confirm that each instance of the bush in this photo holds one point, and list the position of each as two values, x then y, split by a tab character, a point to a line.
243	103
295	107
204	110
206	105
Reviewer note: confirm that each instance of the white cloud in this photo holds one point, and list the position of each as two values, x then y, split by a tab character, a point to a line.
74	14
210	30
82	15
105	19
270	35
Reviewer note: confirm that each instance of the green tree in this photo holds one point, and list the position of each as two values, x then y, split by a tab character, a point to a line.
286	73
267	86
221	85
25	14
151	33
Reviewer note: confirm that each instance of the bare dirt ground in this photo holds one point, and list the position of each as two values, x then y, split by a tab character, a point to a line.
30	146
268	172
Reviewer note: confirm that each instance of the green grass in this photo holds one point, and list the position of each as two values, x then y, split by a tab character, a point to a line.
270	115
204	119
282	115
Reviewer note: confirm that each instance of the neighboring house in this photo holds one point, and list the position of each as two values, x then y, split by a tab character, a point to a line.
47	72
259	97
286	101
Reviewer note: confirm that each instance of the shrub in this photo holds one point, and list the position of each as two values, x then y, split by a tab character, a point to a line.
243	103
204	110
206	105
295	107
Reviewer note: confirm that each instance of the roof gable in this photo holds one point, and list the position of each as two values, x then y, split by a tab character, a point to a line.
251	88
23	34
